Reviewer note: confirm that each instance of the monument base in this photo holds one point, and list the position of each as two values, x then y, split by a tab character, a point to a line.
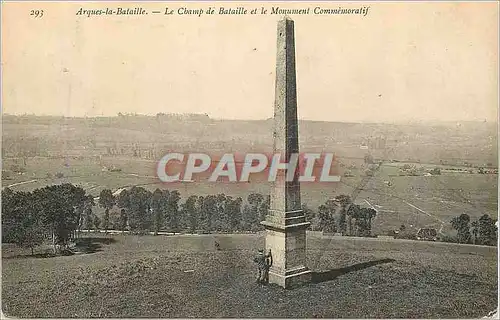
287	244
291	278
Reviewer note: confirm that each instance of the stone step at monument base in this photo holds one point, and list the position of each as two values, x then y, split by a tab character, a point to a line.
285	227
291	278
279	219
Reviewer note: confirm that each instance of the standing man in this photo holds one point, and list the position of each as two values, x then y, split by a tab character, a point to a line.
269	263
264	262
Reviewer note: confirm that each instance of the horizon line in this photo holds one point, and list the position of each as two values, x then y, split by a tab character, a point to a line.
242	119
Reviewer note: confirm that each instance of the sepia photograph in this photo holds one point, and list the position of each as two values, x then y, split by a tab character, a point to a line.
218	159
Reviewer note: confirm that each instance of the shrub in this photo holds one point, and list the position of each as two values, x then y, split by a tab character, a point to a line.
406	234
448	238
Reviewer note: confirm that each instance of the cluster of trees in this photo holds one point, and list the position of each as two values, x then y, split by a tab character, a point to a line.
482	231
58	212
52	212
144	211
341	215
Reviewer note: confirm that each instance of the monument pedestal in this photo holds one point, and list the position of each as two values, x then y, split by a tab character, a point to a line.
287	242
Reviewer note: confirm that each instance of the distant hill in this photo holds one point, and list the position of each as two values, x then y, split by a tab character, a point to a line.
450	142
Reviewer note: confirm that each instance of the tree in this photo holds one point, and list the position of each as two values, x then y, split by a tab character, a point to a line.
158	204
487	231
461	224
172	210
475	231
355	220
106	201
343	204
123	220
364	220
76	198
58	206
190	213
251	212
353	213
223	211
334	214
310	214
88	214
114	220
233	212
11	205
85	212
31	231
221	223
22	224
225	214
123	202
206	206
249	217
370	214
97	222
140	217
342	215
361	223
327	224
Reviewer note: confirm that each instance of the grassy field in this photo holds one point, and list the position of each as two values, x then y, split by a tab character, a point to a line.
418	201
184	276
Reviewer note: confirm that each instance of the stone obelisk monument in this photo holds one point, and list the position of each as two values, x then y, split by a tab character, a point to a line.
286	224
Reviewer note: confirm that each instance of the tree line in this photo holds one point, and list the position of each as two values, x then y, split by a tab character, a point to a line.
59	212
482	231
143	211
341	215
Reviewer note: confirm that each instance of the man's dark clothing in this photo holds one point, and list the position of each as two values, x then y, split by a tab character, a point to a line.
264	262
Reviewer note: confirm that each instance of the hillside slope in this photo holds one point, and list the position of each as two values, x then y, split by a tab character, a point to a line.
184	276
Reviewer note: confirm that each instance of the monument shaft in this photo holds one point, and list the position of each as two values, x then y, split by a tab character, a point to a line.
286	224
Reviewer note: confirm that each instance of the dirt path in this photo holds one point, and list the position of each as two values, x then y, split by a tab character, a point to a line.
430	215
19	183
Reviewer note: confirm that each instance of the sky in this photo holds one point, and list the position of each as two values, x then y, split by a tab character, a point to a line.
401	62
